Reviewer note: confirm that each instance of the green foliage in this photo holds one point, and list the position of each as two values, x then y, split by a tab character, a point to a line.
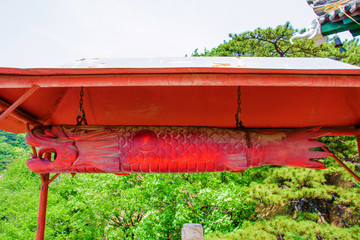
19	190
151	206
276	43
155	206
11	146
293	191
285	228
265	43
344	147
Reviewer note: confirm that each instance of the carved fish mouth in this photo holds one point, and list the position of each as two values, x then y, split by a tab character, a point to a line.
42	152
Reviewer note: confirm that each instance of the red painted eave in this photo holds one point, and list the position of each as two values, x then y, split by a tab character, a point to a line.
111	71
276	93
24	78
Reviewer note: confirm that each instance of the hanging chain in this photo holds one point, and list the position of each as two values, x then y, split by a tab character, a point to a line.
81	118
239	123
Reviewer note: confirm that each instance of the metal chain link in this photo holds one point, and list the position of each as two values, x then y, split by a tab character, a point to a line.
81	118
239	123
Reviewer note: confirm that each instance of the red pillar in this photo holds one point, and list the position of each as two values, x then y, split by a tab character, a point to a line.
42	206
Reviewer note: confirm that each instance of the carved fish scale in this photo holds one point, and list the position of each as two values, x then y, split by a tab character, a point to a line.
134	149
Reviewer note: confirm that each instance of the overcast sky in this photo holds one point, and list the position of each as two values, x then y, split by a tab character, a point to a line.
51	33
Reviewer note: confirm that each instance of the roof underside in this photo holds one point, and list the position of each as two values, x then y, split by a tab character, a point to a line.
275	93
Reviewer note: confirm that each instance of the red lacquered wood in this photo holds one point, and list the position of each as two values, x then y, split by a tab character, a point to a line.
44	188
134	149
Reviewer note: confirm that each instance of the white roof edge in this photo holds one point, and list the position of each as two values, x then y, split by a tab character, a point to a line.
216	62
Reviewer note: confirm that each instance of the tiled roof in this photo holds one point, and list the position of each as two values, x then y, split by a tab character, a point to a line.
333	10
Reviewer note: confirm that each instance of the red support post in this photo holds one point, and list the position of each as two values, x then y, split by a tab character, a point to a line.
42	205
45	181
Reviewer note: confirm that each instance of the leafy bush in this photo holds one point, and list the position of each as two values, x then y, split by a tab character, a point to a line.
283	227
150	206
12	146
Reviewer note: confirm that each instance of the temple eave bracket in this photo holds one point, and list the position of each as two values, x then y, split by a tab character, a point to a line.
11	109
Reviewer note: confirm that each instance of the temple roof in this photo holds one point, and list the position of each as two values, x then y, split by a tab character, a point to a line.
333	10
189	91
212	62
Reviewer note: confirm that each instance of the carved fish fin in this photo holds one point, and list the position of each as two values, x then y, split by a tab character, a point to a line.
237	161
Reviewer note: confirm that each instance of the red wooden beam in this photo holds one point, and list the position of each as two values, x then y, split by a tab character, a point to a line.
174	77
13	106
19	114
47	72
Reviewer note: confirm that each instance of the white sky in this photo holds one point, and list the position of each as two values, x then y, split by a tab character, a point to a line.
40	33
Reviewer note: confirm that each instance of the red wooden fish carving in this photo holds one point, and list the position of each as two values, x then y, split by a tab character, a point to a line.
134	149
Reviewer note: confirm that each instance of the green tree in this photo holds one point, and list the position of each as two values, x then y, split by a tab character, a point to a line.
300	194
106	206
12	146
276	43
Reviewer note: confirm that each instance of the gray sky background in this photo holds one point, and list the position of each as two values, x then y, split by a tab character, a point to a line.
50	33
